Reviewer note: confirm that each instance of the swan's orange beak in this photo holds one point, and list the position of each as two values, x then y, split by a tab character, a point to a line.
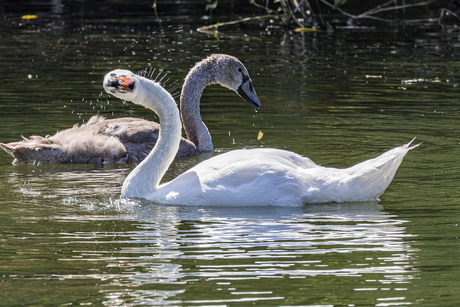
124	84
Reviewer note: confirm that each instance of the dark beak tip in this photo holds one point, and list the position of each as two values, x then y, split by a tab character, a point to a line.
250	97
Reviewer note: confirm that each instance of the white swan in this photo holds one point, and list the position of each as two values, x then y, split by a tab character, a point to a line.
103	141
241	177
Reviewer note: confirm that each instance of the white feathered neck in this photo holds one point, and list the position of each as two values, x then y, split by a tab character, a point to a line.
145	178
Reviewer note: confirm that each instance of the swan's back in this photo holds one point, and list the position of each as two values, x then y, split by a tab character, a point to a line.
238	177
278	177
99	141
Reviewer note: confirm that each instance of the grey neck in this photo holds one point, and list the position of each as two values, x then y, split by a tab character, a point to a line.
195	82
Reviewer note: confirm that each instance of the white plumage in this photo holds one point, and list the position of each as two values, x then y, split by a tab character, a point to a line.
242	177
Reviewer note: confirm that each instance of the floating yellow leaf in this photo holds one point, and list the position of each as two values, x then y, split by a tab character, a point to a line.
29	17
304	30
260	135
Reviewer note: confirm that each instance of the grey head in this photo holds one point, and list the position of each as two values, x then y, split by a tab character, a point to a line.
229	72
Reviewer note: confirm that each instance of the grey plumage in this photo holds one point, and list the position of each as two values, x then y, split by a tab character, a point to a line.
104	141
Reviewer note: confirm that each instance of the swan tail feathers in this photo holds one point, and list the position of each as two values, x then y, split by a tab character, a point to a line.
365	181
31	151
379	172
413	146
7	149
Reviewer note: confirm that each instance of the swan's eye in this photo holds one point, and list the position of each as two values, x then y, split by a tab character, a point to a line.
239	69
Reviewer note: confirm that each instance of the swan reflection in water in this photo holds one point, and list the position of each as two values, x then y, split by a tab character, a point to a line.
357	244
78	181
183	249
165	254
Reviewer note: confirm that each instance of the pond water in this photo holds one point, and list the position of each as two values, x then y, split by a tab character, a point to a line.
67	238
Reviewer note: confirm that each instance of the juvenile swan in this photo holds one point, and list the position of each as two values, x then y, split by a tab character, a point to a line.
241	177
104	141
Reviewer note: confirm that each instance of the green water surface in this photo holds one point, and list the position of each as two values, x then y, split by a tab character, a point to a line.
66	237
